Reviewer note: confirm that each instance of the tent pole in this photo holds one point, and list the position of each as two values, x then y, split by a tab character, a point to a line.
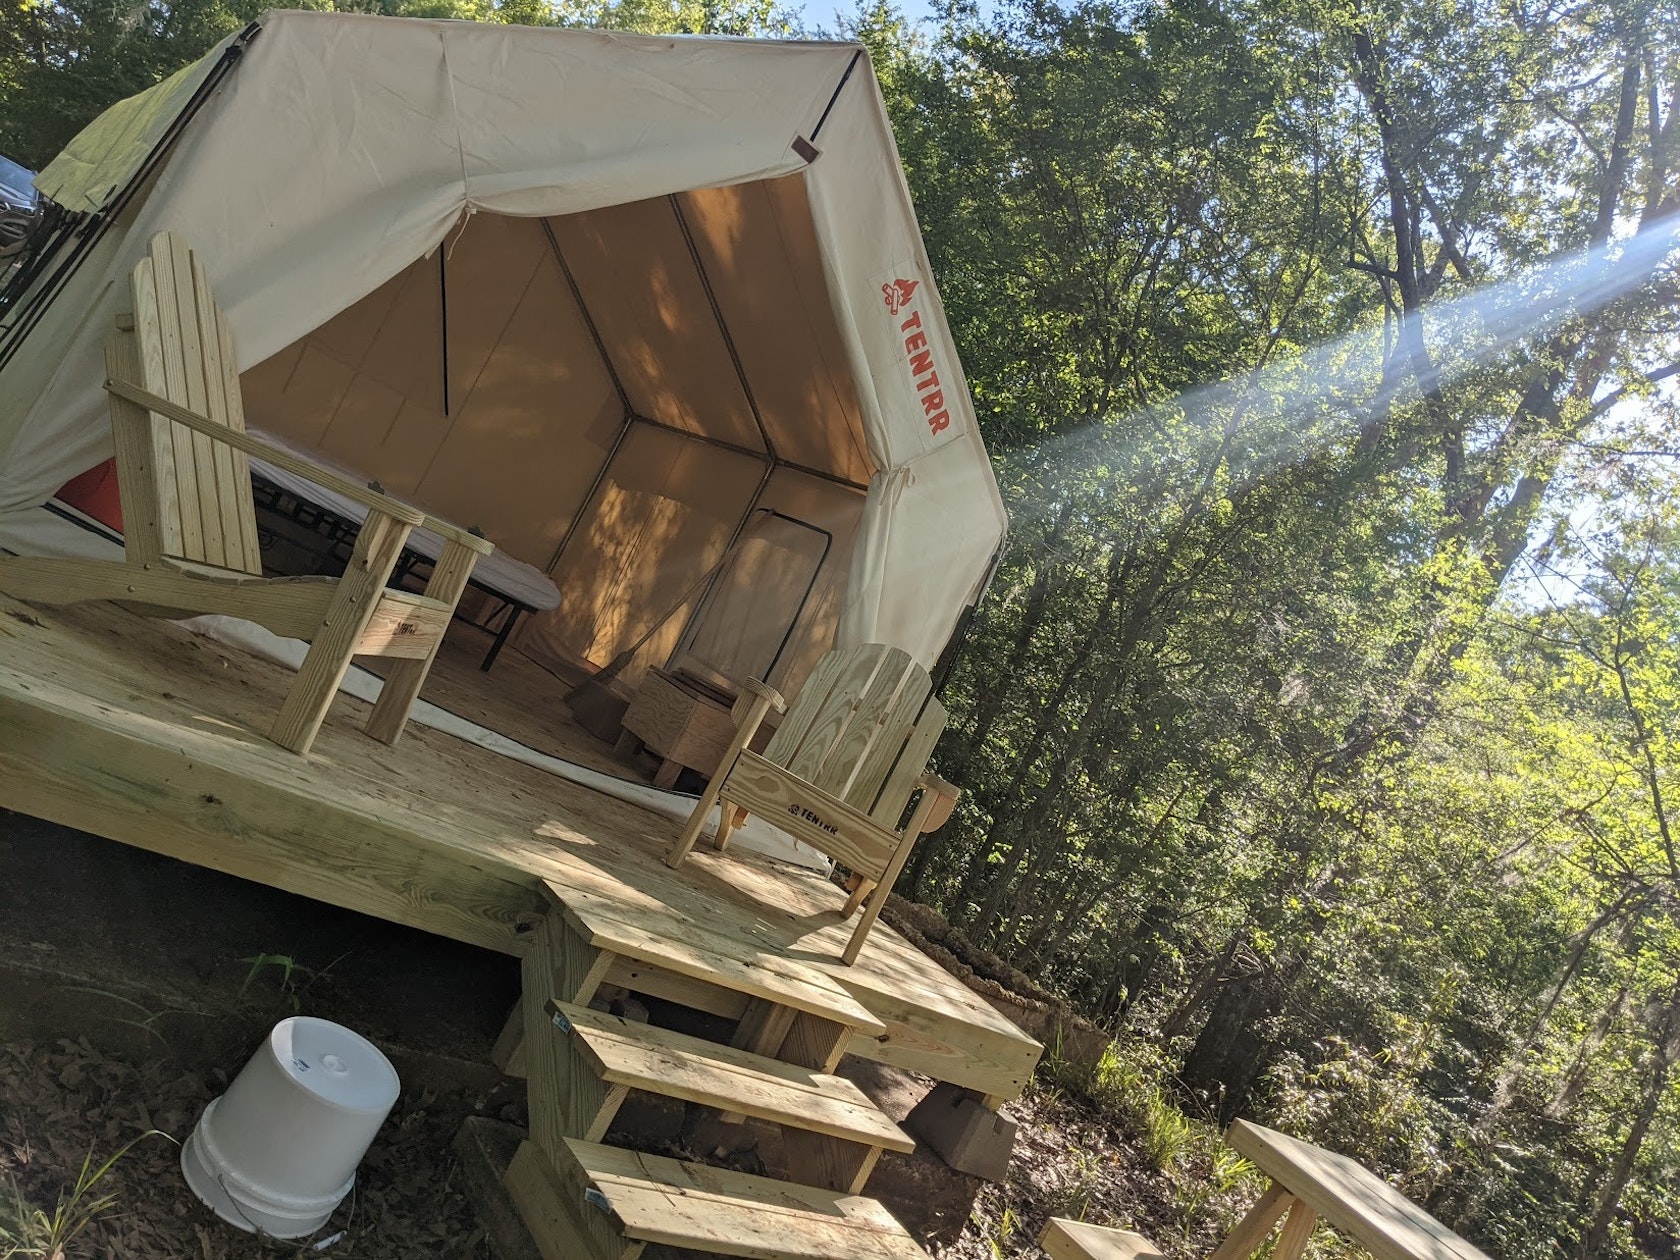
588	321
94	224
723	328
706	439
443	313
594	488
630	416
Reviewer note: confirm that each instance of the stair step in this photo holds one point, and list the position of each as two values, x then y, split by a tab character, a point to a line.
600	1203
658	1061
678	944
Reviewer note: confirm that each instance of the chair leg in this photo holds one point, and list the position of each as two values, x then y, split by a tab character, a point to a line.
691	830
747	724
679	851
402	687
895	864
54	581
856	899
730	816
860	933
357	596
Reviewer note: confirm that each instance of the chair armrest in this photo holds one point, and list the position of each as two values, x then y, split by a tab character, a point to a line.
748	712
755	688
280	458
455	534
946	794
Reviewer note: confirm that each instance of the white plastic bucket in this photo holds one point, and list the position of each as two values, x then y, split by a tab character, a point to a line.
278	1151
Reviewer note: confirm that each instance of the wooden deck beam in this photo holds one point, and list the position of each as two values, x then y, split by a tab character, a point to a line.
201	800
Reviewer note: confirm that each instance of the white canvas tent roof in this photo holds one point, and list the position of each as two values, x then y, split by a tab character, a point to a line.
680	279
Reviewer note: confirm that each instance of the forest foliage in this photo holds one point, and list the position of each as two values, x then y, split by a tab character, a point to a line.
1322	728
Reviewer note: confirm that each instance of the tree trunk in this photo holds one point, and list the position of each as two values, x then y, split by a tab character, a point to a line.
1230	1053
1665	1047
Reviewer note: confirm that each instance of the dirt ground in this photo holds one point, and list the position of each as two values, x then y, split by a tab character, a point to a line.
1072	1161
61	1103
58	1103
133	987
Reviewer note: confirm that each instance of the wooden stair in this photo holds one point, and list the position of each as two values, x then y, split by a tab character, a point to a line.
594	1202
584	1201
835	1134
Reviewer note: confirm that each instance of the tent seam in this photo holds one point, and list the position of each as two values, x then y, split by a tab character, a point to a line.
455	112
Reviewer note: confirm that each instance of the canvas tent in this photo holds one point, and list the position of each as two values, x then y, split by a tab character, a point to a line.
621	301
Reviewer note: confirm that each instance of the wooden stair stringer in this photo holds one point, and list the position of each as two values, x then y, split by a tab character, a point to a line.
583	1201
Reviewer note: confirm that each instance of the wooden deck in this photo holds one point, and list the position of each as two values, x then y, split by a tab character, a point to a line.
144	733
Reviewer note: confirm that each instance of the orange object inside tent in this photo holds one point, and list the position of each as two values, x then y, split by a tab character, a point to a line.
95	492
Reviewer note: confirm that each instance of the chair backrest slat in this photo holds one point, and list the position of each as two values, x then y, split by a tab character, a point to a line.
801	717
838	714
146	454
239	489
854	724
912	760
233	501
187	355
897	725
866	731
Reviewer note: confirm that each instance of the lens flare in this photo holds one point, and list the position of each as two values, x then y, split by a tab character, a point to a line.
1245	428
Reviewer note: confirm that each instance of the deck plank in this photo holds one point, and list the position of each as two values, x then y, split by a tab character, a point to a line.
715	1210
710	953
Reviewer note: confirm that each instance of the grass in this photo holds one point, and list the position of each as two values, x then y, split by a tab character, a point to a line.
292	977
1131	1084
31	1233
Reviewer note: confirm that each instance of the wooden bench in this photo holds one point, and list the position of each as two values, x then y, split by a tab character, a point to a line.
1310	1184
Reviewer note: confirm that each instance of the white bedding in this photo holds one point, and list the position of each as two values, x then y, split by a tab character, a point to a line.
520	582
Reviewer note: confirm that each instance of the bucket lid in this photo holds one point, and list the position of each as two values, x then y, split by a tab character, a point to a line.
340	1067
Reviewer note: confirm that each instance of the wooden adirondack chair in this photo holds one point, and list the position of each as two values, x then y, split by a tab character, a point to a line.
840	770
189	521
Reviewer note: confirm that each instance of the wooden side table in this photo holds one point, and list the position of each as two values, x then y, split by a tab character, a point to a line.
683	720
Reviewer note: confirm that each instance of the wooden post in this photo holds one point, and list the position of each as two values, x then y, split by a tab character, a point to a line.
1256	1227
1297	1229
378	546
764	1027
762	699
402	685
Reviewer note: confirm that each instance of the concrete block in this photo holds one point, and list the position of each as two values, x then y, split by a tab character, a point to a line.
967	1135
